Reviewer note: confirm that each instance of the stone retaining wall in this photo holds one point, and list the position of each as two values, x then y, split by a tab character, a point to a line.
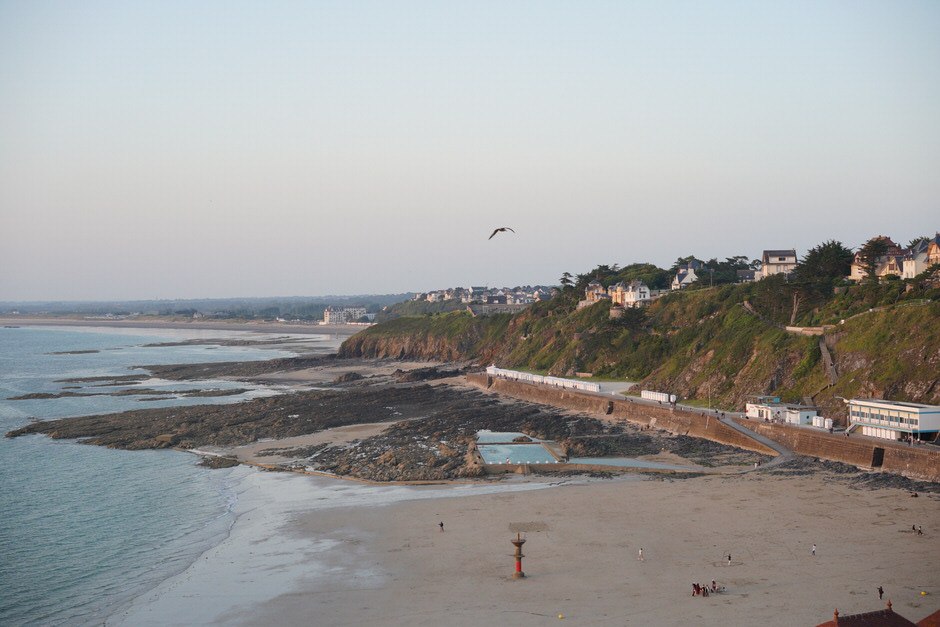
660	417
917	463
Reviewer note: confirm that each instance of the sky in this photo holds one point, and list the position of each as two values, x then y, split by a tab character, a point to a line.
181	149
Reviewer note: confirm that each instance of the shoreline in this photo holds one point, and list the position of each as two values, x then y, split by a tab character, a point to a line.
252	326
315	546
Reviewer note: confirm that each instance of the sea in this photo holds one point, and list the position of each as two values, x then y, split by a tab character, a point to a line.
85	529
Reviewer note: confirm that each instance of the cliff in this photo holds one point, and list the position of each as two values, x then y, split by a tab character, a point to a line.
721	344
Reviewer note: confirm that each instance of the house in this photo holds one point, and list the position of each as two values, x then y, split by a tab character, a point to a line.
685	276
593	293
776	262
473	294
933	251
879	618
746	276
882	267
915	259
633	294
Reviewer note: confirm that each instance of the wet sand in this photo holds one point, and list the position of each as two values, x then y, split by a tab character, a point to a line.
308	550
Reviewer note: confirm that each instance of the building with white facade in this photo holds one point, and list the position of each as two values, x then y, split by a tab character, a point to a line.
781	412
343	315
894	420
634	294
686	276
776	262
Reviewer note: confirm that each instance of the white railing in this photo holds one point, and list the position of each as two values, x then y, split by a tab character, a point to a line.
528	377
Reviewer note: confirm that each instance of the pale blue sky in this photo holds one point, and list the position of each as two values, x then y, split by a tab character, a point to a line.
197	149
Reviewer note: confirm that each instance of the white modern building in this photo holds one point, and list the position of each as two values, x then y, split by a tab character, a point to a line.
894	420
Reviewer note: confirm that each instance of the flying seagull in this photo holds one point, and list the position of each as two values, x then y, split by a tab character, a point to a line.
499	230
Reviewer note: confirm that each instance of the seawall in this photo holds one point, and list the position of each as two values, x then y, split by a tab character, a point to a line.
916	463
666	418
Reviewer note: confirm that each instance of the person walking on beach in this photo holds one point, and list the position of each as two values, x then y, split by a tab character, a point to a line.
729	559
813	550
881	591
639	554
920	530
441	525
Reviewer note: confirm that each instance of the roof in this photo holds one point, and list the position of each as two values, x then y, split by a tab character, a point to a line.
881	401
930	621
780	253
880	618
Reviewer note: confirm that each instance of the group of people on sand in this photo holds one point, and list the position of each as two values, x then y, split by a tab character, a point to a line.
917	529
699	589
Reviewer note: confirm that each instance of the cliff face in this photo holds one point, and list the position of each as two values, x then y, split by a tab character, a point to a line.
701	344
449	337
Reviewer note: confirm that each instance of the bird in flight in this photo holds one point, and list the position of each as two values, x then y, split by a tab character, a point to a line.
499	230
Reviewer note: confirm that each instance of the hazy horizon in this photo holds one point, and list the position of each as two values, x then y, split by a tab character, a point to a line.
229	149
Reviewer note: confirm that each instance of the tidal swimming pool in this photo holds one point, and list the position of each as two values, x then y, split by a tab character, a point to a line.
515	454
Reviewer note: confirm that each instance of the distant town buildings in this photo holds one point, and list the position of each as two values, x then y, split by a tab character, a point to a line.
525	295
343	315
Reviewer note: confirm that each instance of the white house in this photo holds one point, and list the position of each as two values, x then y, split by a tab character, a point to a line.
637	294
918	257
686	276
776	262
894	420
634	294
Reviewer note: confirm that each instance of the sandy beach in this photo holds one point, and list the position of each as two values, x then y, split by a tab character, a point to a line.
315	550
309	550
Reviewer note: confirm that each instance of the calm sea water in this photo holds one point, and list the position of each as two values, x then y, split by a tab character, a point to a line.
84	529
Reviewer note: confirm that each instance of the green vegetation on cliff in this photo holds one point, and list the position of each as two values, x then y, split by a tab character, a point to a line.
723	343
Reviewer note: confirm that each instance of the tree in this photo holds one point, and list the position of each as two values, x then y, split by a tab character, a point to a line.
827	261
723	272
872	252
681	262
566	281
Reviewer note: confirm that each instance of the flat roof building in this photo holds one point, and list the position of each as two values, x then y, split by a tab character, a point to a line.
775	411
894	420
